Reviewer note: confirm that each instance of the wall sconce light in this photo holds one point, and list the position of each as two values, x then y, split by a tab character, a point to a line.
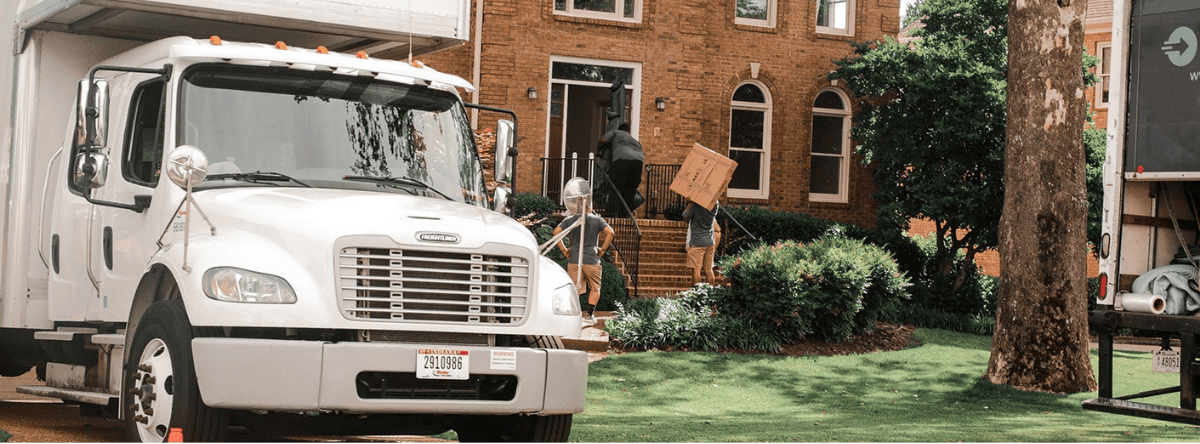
531	92
660	103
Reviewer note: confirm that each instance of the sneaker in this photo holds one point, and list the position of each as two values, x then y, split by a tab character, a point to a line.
588	318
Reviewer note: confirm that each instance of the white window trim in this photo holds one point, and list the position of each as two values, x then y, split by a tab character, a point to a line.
764	174
635	101
844	174
618	16
850	8
1099	102
768	23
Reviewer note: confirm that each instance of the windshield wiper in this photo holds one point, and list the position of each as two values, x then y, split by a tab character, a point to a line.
397	181
258	177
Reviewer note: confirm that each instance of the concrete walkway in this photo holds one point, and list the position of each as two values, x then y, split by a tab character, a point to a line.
592	339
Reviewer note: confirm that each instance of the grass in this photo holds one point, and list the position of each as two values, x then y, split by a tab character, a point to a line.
930	393
4	436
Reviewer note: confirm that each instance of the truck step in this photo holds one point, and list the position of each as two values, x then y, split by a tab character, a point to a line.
109	339
69	395
1143	410
66	334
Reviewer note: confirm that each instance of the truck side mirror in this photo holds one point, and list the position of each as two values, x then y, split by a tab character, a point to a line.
505	138
500	199
91	169
91	114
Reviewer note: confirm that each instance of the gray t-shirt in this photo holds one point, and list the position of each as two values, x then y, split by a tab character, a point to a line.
624	146
593	225
700	225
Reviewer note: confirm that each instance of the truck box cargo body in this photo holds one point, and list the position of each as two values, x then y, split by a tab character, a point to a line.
202	231
1148	251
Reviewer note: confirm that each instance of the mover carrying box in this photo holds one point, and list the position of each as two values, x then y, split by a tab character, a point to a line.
704	175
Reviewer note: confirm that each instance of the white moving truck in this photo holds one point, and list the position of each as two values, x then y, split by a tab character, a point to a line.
201	232
1148	251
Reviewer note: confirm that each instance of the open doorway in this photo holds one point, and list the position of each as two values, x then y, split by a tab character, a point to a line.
580	93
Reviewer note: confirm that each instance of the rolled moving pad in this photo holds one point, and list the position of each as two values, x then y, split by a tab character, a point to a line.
1175	283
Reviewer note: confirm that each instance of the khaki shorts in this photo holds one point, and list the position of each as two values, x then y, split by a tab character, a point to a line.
701	257
591	275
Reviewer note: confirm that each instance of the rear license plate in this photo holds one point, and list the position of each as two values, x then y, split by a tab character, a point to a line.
443	364
1166	361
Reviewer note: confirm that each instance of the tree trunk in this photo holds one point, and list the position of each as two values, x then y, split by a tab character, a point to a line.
1041	341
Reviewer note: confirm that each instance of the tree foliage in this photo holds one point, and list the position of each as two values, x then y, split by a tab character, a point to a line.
932	123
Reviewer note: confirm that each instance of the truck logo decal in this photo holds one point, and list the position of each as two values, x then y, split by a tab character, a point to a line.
441	238
1181	56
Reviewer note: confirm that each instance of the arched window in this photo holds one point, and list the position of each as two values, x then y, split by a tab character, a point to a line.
750	140
829	175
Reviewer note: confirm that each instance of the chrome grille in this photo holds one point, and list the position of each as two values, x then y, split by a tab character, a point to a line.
406	285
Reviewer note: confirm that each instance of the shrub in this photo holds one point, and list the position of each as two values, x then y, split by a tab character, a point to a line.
931	289
771	227
926	317
540	206
829	289
914	256
687	321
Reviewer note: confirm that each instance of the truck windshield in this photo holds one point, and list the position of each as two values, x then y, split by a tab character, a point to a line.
318	129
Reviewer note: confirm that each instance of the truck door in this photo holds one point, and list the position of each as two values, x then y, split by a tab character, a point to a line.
69	240
123	240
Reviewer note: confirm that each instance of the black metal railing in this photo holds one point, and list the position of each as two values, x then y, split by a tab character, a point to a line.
660	200
628	241
556	171
656	184
734	236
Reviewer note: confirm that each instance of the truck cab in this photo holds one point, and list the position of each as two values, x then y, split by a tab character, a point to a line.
268	235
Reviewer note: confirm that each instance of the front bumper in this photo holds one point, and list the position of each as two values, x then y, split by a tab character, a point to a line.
301	376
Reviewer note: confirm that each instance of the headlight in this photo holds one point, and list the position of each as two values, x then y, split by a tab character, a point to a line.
238	285
566	301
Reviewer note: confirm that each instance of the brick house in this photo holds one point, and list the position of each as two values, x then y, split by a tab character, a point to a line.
1097	38
746	78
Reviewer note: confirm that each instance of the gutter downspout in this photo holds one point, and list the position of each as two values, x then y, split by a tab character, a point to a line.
475	69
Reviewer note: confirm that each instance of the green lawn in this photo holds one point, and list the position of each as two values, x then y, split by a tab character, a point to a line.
928	393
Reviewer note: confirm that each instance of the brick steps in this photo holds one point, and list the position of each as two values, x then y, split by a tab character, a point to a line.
663	269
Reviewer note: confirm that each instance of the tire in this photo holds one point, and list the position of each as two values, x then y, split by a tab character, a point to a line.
550	428
160	381
517	428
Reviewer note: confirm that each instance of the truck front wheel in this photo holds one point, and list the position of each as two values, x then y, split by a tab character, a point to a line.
551	428
160	381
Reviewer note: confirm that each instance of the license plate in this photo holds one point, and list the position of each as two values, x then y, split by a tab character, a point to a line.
443	364
1166	361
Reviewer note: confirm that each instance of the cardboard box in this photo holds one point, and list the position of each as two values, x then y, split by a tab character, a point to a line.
704	176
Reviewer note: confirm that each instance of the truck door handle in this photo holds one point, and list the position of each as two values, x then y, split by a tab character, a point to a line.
108	254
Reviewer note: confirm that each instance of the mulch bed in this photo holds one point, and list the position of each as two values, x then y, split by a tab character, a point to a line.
885	337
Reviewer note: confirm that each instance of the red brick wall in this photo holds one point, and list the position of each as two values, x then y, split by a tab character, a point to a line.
693	55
